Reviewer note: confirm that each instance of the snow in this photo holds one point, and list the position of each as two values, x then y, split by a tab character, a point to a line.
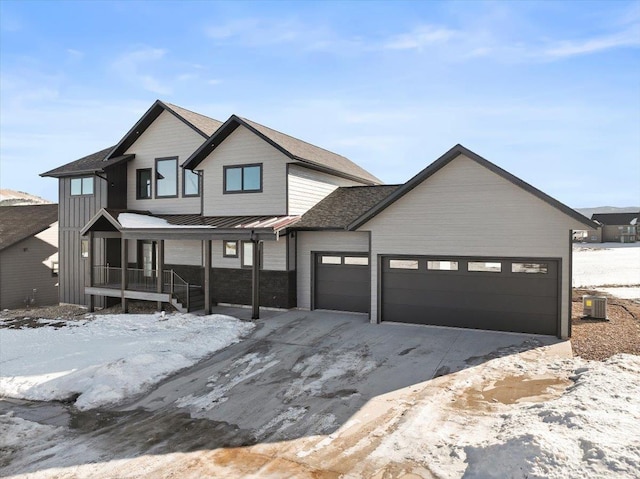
134	220
609	267
592	429
106	359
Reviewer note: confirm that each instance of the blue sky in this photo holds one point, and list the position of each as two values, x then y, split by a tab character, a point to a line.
550	91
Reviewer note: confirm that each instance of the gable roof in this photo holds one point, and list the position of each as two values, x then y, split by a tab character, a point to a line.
203	125
90	164
343	206
444	160
292	147
615	218
20	222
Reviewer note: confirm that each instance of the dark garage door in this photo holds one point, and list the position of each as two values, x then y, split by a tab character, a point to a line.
342	282
519	295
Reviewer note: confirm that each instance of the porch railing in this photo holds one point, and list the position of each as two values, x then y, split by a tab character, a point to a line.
143	280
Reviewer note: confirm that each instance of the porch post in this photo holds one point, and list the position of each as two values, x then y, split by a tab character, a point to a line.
255	280
89	275
160	267
124	263
207	276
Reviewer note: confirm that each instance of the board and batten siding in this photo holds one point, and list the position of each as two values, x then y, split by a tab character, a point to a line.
308	187
329	241
166	137
27	266
74	212
239	148
464	209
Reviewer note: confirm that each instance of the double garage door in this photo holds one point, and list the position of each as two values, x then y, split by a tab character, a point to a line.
502	294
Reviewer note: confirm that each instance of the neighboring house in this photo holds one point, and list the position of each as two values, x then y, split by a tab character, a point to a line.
195	212
618	227
28	256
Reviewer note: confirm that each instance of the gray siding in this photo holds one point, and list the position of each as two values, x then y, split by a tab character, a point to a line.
306	187
73	213
310	241
26	266
244	147
466	210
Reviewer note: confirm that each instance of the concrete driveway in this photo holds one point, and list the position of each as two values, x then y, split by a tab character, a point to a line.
306	373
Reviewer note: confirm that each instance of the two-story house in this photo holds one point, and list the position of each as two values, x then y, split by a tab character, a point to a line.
188	210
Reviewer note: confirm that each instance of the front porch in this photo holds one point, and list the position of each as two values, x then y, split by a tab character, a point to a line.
148	278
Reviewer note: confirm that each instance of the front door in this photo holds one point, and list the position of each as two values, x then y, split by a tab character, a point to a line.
147	257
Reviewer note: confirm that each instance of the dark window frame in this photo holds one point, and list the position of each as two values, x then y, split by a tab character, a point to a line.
224	249
138	173
55	269
155	182
81	179
184	176
241	167
84	248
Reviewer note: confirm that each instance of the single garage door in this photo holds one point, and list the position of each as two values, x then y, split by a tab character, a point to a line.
341	282
519	295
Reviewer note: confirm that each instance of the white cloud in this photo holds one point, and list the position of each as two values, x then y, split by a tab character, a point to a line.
131	66
421	37
75	54
626	38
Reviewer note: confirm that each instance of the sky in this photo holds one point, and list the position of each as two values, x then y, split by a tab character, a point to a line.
549	91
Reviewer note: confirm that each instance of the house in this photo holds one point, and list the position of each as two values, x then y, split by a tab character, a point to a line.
28	256
192	211
618	227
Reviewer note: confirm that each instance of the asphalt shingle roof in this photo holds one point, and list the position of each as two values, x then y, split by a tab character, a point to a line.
87	164
20	222
615	218
203	123
312	153
343	206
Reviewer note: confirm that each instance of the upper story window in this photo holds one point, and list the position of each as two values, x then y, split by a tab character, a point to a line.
143	184
191	182
166	177
243	178
82	186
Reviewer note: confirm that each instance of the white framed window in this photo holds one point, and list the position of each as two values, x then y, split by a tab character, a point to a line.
247	254
82	186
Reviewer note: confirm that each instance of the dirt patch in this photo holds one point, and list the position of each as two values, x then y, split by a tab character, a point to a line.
599	340
511	390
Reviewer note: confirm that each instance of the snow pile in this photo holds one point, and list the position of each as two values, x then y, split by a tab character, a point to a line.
105	359
614	269
591	430
134	220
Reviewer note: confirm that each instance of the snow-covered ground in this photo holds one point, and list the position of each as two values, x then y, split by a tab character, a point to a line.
105	359
610	267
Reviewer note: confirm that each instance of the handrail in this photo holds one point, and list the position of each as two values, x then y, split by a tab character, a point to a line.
180	288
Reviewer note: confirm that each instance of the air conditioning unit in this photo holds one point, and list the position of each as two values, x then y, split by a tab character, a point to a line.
594	307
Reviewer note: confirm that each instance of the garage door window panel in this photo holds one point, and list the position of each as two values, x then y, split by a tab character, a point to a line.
530	268
484	266
331	259
442	265
410	264
356	260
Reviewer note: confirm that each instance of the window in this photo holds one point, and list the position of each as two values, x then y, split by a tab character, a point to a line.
54	269
166	177
243	179
359	260
403	263
247	254
442	265
331	260
143	184
84	248
191	182
82	186
539	268
486	266
230	249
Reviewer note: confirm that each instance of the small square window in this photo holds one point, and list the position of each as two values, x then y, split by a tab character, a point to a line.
230	249
84	248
